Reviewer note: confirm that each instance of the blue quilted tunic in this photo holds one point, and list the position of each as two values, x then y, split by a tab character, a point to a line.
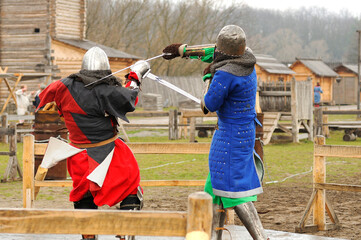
231	163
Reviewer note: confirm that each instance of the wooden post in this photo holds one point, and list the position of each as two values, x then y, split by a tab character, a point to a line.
311	133
319	176
294	111
4	124
199	218
192	130
325	129
175	119
173	124
28	168
13	166
318	121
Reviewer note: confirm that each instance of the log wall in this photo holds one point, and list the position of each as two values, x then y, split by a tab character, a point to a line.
68	19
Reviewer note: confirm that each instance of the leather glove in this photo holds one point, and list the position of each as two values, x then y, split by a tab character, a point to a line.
172	50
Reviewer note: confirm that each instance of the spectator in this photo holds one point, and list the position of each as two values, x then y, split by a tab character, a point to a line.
317	92
22	99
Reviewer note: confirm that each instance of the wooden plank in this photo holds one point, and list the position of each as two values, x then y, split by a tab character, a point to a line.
152	148
7	131
197	113
338	187
148	114
143	183
331	212
337	151
275	93
102	222
308	209
341	112
141	125
172	183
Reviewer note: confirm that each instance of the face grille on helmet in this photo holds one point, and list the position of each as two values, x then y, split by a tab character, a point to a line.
95	59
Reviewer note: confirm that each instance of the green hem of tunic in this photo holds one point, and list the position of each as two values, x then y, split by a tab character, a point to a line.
227	202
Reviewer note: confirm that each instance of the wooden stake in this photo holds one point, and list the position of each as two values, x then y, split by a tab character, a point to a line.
199	215
319	176
28	169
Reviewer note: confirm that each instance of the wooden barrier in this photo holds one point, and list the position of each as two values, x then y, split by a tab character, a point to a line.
192	114
13	167
31	185
322	125
195	224
6	119
318	201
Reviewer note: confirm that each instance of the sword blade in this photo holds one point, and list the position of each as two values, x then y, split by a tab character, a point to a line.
89	84
173	87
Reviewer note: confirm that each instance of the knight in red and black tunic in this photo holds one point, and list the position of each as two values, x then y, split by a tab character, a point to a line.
106	172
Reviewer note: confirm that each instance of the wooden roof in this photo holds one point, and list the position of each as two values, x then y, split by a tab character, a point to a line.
352	67
318	67
87	44
272	65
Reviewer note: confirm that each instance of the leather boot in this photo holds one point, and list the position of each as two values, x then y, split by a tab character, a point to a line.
219	217
247	213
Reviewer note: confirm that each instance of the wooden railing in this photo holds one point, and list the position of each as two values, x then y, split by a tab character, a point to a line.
318	201
31	149
195	224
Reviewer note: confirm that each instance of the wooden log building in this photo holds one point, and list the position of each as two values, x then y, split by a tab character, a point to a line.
345	90
41	38
269	69
318	71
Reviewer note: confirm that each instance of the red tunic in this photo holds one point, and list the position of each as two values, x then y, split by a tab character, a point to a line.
90	116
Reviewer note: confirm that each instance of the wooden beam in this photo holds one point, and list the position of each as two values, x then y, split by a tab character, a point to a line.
338	187
156	183
187	113
102	222
143	183
152	148
337	151
341	112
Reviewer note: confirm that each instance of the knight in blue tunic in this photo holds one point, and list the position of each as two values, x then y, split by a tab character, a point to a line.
232	85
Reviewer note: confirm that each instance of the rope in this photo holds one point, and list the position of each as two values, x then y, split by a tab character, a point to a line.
167	164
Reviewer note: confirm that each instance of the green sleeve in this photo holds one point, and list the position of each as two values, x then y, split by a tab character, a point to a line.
208	57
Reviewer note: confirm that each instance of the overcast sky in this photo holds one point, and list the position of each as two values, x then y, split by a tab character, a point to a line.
354	6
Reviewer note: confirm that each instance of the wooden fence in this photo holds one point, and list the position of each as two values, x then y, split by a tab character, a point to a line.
195	224
318	201
352	128
32	183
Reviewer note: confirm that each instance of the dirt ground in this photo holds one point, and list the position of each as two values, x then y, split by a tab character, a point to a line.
280	207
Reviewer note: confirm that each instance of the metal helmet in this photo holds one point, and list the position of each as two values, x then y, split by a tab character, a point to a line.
95	59
231	40
141	68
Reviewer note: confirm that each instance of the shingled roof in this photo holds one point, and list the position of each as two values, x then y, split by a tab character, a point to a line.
272	65
318	67
352	67
86	45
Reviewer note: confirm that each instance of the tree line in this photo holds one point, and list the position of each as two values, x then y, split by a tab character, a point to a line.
145	27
